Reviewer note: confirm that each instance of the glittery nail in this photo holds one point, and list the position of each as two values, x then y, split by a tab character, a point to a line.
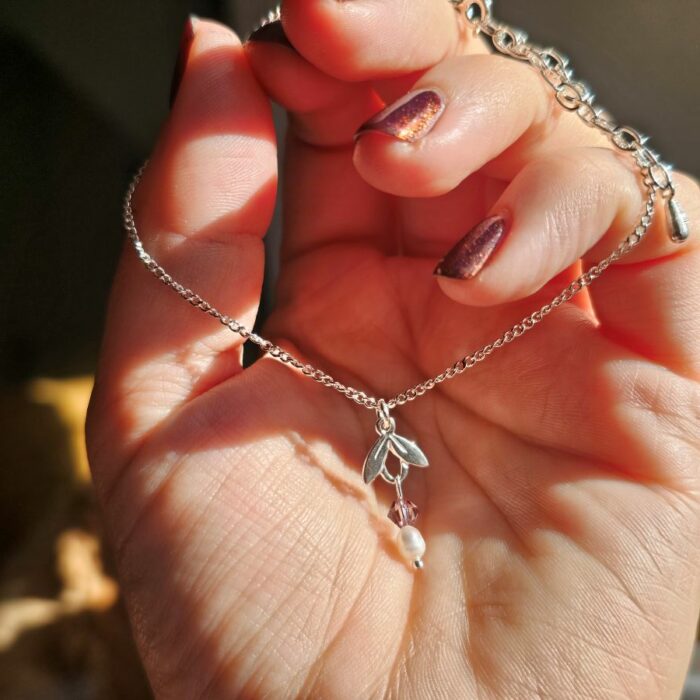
409	119
182	56
466	259
271	33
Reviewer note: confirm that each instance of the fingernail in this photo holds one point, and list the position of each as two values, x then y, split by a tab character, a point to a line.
470	255
182	55
272	33
409	119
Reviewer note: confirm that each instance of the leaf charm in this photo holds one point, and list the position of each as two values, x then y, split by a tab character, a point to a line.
407	451
374	463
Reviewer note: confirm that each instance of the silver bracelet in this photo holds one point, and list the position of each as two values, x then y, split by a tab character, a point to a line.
573	96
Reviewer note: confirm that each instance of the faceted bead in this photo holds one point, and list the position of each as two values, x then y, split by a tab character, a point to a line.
403	512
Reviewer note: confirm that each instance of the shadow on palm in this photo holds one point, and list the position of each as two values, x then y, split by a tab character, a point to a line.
267	539
253	559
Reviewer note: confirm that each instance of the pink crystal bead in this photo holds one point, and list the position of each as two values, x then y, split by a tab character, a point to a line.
403	512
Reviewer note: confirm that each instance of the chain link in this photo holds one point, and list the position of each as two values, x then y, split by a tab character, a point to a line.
573	96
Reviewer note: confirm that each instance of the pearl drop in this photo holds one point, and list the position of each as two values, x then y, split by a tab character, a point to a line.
410	543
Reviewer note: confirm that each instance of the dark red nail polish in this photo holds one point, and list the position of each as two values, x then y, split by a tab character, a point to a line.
272	33
409	119
182	56
466	259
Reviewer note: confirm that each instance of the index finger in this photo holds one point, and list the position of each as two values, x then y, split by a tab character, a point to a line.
370	39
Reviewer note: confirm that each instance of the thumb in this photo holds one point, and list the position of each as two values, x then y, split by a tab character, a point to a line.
202	209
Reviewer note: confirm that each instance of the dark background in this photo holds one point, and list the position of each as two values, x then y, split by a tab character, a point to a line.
83	89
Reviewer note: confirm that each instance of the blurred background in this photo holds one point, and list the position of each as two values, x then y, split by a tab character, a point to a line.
83	90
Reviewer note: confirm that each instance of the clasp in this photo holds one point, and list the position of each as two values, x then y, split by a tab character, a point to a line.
477	12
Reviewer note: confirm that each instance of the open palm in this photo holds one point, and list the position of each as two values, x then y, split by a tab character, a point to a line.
560	508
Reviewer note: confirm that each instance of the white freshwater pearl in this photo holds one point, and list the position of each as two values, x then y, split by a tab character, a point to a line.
411	543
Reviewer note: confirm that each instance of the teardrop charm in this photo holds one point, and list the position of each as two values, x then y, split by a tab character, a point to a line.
677	221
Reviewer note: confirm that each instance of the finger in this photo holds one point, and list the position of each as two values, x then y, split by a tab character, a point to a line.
651	305
554	211
466	112
346	210
202	209
327	107
366	39
582	202
324	111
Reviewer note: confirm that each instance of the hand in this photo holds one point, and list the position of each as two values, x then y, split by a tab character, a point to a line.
561	505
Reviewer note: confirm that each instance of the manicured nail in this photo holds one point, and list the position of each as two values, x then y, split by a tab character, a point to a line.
409	119
471	254
182	55
272	33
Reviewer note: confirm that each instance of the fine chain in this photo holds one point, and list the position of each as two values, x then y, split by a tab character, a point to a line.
573	96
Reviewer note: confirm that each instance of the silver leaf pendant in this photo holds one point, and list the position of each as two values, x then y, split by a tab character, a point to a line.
375	461
403	513
407	450
389	442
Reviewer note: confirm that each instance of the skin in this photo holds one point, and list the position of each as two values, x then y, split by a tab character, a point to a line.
561	506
